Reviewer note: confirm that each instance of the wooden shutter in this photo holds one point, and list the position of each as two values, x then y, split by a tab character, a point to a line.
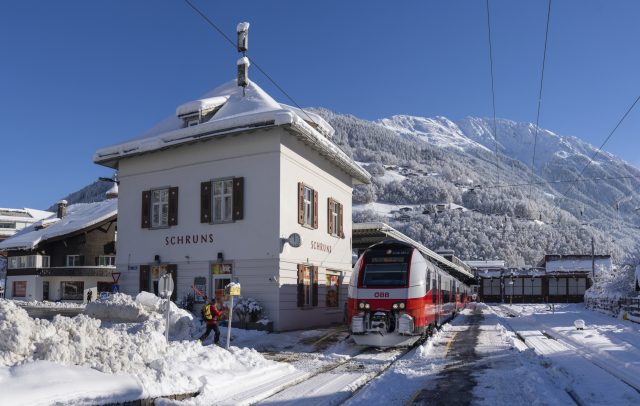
300	203
301	285
330	215
205	202
238	198
144	278
146	209
340	221
315	209
173	270
314	290
81	260
173	206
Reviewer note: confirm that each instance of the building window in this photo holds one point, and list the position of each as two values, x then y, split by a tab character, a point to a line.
190	122
307	206
307	286
222	200
557	286
72	290
8	225
334	217
160	208
106	260
332	299
577	286
19	288
74	260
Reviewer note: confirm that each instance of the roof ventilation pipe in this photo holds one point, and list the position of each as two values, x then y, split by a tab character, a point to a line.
62	209
243	63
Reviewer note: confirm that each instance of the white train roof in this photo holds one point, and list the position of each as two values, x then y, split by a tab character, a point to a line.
366	234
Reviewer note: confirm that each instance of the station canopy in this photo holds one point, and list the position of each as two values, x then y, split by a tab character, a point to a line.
367	234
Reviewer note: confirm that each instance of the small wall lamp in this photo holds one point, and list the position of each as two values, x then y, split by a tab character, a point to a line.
220	257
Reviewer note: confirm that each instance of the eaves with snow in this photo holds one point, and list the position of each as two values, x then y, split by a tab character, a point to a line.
79	217
229	111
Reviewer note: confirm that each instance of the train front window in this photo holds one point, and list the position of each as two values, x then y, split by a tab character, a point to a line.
385	274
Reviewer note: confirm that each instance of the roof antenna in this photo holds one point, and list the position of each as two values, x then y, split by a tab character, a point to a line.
243	63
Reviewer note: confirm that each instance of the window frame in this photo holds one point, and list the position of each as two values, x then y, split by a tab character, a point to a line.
13	287
308	205
222	196
111	261
77	296
329	276
76	257
152	205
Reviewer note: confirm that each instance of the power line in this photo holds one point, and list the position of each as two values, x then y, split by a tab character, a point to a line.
493	93
551	182
544	59
579	177
212	24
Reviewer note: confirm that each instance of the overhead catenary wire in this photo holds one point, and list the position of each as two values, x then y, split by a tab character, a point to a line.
493	92
253	62
550	182
544	60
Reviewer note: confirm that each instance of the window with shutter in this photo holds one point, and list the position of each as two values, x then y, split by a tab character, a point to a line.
222	200
301	269
340	220
173	206
330	213
334	214
238	198
300	203
307	206
146	207
315	209
160	207
205	202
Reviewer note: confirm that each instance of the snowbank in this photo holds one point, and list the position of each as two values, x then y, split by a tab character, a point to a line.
138	351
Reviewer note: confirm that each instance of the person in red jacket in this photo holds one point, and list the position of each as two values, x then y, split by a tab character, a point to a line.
210	314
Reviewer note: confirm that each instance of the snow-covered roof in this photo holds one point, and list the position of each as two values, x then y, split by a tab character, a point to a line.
485	264
579	265
79	216
240	112
25	214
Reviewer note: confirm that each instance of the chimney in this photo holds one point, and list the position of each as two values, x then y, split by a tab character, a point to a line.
113	192
62	208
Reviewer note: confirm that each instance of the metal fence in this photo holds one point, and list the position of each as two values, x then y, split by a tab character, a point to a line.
614	306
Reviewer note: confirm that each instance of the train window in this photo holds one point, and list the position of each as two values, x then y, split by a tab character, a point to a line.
389	274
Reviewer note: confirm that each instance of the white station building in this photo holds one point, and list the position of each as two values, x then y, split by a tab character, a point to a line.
238	187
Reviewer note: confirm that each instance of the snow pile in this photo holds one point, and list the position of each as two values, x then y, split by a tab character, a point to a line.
59	305
138	350
120	307
612	285
117	307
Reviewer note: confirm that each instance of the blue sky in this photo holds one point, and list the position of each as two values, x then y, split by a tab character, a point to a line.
79	75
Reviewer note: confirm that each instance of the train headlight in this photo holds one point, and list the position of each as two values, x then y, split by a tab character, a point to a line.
402	305
395	306
361	305
399	305
367	306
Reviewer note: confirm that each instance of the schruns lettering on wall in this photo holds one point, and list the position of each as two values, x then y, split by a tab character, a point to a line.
188	239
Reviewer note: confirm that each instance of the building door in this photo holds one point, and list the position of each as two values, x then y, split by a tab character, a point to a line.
45	290
221	277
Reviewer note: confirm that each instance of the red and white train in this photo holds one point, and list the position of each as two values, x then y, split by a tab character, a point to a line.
397	296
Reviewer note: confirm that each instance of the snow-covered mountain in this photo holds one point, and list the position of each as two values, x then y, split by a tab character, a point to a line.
424	162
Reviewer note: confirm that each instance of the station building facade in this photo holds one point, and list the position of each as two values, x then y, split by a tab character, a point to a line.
237	187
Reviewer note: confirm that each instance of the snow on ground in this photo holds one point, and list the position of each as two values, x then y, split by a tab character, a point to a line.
426	371
597	365
83	360
48	304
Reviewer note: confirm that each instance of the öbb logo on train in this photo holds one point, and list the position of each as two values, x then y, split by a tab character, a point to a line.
381	294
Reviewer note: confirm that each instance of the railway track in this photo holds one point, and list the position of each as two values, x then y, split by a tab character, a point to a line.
558	341
336	383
